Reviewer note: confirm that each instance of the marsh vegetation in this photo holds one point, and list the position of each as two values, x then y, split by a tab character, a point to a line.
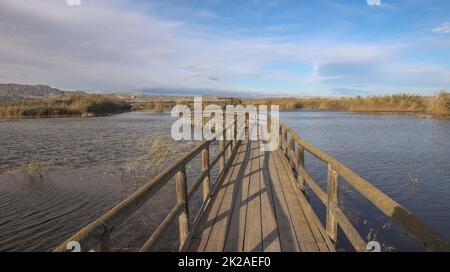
437	105
81	105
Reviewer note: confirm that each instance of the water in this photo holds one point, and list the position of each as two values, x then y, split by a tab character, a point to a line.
405	157
96	162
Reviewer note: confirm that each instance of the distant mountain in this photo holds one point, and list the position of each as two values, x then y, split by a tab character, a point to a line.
17	92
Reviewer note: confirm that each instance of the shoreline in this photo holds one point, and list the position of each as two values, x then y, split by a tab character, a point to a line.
63	116
418	114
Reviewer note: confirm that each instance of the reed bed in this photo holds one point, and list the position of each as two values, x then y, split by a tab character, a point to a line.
437	105
81	105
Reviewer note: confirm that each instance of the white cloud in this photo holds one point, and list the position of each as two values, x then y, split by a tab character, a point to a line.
102	45
444	28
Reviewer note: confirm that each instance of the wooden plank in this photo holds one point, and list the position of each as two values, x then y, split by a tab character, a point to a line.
207	221
253	229
216	241
235	237
324	244
270	233
303	232
288	239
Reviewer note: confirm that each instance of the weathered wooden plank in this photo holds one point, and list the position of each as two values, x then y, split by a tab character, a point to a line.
193	246
253	229
288	239
216	241
324	244
235	238
303	232
270	233
205	225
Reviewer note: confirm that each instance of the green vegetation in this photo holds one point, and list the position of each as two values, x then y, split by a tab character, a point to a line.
81	105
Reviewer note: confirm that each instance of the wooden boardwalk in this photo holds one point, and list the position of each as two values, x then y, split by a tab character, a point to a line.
257	204
257	209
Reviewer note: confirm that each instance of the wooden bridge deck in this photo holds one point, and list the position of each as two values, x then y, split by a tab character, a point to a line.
256	208
256	204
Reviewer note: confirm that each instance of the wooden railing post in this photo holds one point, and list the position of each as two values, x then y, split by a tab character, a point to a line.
332	201
222	158
300	163
235	132
183	220
205	167
285	142
281	137
291	152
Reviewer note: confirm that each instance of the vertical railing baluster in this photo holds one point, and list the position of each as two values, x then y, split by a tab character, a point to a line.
183	220
205	167
332	202
235	131
300	163
291	152
286	143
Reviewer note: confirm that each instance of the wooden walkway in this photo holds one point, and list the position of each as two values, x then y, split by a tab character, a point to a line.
256	209
257	204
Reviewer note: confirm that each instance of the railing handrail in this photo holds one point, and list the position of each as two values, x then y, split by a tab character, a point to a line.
97	233
415	227
89	236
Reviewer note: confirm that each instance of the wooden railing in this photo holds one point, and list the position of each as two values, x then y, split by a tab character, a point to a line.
295	147
97	235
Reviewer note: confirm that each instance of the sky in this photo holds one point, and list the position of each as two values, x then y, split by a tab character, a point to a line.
248	47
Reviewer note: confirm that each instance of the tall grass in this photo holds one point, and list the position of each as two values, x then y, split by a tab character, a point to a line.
82	105
437	105
440	104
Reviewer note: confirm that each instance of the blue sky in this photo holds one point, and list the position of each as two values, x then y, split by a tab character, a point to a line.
268	47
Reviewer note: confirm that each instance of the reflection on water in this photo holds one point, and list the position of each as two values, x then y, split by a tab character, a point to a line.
96	162
405	157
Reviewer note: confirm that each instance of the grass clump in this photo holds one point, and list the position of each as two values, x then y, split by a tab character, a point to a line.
36	167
